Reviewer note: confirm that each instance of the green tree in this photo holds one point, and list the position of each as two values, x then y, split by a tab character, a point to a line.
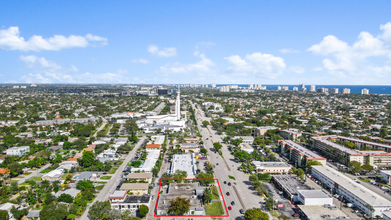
65	198
355	166
255	214
284	217
54	211
4	215
84	184
367	168
100	210
217	146
269	203
383	132
179	206
205	123
143	210
204	151
207	196
236	141
18	214
87	159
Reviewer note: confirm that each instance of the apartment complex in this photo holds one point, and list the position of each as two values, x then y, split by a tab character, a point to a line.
290	134
345	91
18	151
365	91
298	154
328	146
360	196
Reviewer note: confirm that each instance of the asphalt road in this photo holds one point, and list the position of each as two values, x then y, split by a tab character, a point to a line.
226	167
110	186
101	127
33	173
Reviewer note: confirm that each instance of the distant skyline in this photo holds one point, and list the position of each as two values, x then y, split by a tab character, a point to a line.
222	42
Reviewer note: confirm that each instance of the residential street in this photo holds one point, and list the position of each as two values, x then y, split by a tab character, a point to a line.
110	186
33	173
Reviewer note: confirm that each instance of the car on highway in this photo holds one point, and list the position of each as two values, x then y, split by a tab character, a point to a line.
232	203
241	211
228	193
229	208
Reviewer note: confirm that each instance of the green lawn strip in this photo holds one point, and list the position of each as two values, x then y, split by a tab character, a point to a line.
101	182
231	177
13	181
45	171
113	170
105	177
100	187
215	193
36	178
25	184
119	163
216	208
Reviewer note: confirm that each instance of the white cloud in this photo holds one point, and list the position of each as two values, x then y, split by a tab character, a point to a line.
289	50
344	60
297	69
141	60
200	68
10	40
166	52
257	64
46	71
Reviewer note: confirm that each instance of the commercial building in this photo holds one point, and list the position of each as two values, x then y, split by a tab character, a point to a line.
302	88
190	148
127	93
18	151
246	147
285	88
387	215
380	154
121	201
213	85
314	197
289	185
162	91
345	91
290	134
365	91
144	177
361	197
322	212
271	167
386	176
245	139
224	89
298	154
135	188
263	130
295	89
184	162
312	88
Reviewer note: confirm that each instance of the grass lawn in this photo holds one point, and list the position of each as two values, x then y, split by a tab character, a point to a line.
45	171
101	182
13	181
113	170
64	151
24	184
364	180
216	208
231	177
36	178
100	187
105	177
119	163
28	173
215	193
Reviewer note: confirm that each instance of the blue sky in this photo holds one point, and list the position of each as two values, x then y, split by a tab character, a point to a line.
238	42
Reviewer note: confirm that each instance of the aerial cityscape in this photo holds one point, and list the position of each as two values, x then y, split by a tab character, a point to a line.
190	110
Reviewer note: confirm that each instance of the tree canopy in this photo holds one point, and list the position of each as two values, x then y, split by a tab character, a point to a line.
179	206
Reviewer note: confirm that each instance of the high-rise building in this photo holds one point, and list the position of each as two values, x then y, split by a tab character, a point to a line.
345	91
322	90
302	88
250	86
224	89
365	91
279	88
312	88
334	90
285	88
162	92
295	89
213	85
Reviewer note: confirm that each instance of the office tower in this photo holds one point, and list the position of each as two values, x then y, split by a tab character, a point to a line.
365	91
279	88
295	89
251	86
213	85
334	90
312	88
345	91
322	90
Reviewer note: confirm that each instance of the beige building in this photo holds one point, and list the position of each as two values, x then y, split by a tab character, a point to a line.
271	167
135	188
298	154
290	134
190	148
146	177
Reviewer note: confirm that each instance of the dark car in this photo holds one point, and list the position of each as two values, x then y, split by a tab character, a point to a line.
232	203
217	164
228	193
225	182
229	183
229	208
241	211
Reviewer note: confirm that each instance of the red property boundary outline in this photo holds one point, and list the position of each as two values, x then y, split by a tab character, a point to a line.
221	193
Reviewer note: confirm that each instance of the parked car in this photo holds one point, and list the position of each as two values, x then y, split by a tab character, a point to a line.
241	211
232	203
228	193
225	182
229	183
229	208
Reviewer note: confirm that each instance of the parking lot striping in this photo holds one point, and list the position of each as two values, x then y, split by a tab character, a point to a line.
240	198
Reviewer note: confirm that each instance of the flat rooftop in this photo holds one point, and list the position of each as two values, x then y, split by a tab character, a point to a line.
290	183
184	162
324	140
270	164
319	212
313	193
307	152
354	188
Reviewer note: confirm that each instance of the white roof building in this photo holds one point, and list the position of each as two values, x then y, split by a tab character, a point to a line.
150	161
184	162
18	151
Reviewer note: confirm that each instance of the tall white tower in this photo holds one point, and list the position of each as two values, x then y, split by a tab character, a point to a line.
178	104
